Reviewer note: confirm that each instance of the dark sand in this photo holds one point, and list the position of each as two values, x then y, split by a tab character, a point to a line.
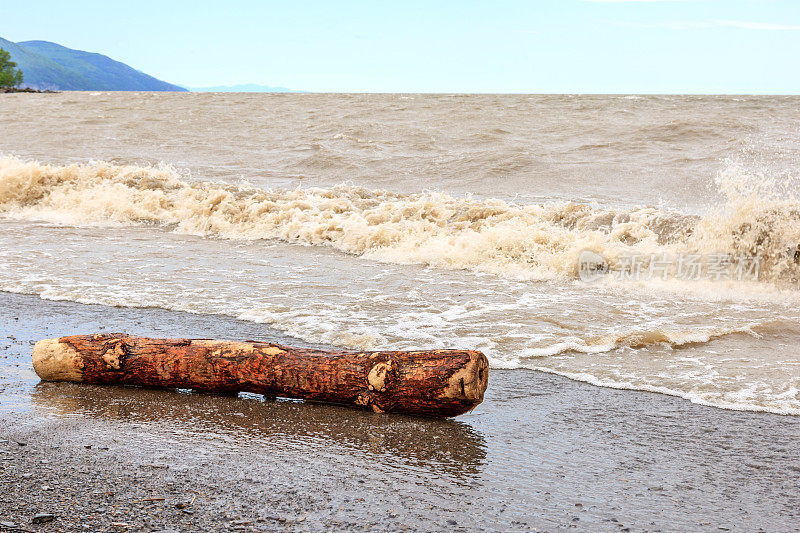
542	452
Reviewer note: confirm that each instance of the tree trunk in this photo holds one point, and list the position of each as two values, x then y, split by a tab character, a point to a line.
434	383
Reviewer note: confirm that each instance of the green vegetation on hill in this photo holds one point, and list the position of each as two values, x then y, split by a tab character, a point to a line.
39	71
10	76
49	65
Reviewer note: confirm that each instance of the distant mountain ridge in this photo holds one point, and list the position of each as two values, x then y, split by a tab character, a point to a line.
47	65
243	88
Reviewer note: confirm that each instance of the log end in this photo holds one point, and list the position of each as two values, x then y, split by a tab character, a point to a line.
469	383
54	360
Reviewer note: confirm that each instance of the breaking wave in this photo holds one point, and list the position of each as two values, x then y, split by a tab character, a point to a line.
761	217
640	339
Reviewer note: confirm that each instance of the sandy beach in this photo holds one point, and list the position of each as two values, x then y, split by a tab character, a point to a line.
541	453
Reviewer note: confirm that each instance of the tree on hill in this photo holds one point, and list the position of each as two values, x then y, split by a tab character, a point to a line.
10	76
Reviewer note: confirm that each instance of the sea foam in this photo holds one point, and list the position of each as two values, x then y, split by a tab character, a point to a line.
534	241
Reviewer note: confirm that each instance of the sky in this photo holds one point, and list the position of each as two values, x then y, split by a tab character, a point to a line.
546	46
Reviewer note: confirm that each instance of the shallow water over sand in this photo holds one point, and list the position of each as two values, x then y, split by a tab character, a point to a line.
542	452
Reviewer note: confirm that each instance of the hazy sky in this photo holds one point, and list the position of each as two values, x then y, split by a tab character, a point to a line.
576	46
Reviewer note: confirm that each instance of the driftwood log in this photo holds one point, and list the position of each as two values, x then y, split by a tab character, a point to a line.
434	383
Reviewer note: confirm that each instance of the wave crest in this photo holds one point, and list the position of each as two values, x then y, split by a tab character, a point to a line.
532	241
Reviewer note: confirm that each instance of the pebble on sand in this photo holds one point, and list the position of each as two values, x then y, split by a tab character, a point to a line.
42	518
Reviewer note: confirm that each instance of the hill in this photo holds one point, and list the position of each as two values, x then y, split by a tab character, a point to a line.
242	88
47	65
39	71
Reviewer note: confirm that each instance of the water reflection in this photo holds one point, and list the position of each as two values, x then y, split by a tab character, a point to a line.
448	446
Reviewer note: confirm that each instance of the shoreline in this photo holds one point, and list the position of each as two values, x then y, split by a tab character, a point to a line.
542	451
572	376
13	90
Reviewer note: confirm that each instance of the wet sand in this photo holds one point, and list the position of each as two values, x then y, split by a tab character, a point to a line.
542	452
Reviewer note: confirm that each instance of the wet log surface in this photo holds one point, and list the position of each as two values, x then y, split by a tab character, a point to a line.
433	383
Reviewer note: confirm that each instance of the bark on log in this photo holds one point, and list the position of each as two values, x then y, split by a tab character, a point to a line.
434	383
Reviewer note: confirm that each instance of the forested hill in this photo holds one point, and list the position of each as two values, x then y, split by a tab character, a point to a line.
47	65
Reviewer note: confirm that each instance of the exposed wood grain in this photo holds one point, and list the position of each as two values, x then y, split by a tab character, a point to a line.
433	383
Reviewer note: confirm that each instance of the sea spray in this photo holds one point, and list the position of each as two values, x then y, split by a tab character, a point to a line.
533	241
